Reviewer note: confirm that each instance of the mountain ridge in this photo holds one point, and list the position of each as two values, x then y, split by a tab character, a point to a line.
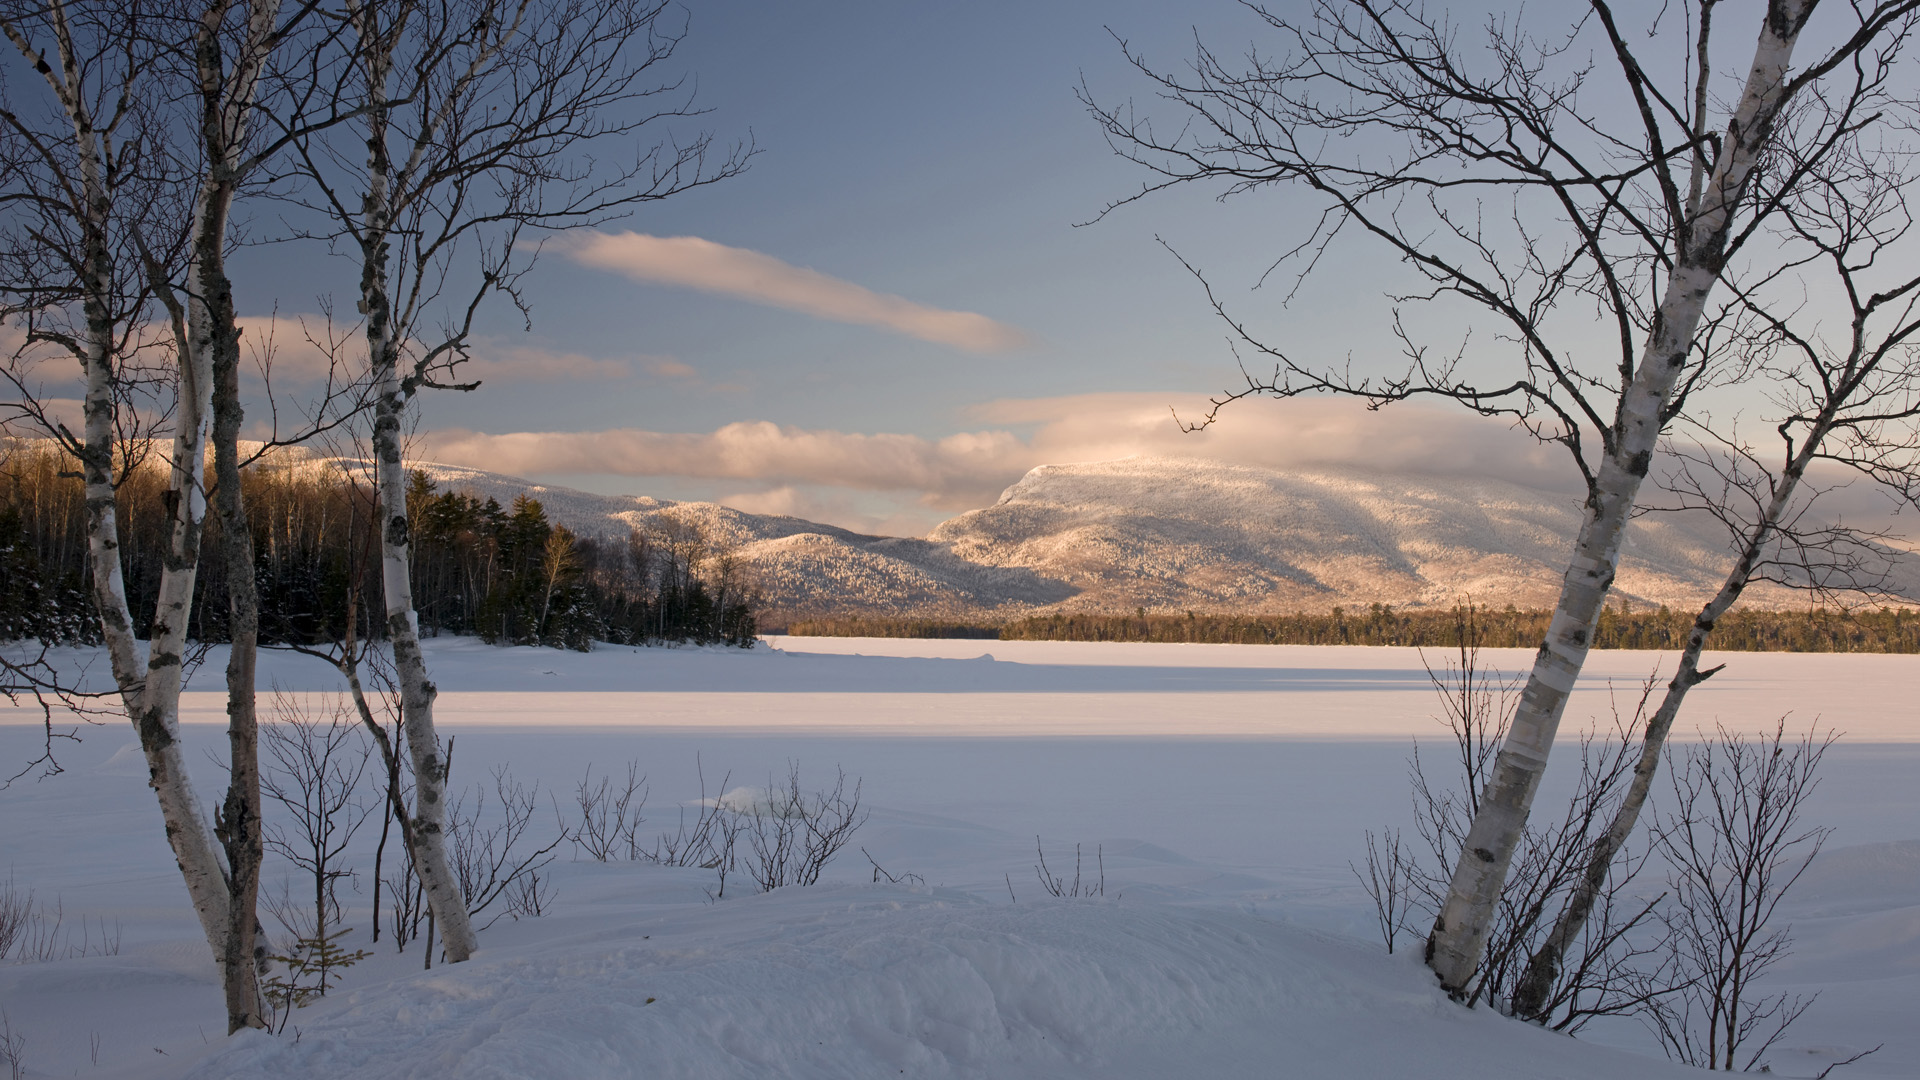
1186	534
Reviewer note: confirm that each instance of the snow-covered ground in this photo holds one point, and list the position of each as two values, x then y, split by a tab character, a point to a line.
1227	788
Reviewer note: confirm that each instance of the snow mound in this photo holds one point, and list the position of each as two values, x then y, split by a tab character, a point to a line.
884	982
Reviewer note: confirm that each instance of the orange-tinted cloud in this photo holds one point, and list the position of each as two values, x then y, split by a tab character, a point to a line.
750	275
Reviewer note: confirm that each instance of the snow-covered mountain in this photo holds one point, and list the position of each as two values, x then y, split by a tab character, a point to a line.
1181	534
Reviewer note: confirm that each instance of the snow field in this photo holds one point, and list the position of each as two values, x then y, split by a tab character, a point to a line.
1224	787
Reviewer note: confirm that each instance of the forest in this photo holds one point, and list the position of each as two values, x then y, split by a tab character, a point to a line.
505	574
1621	626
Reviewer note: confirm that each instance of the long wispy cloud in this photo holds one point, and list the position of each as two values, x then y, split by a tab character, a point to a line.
751	275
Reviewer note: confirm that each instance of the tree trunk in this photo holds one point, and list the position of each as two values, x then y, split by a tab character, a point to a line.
1459	937
1543	967
417	691
428	827
238	823
151	698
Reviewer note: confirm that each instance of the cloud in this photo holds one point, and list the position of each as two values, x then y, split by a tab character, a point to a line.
970	469
835	507
305	346
667	367
494	361
1294	433
750	275
957	471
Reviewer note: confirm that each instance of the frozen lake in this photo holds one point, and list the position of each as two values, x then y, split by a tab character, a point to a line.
1215	777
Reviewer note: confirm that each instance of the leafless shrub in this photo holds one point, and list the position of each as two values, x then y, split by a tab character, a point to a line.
16	908
529	895
1389	883
892	879
32	934
1056	885
316	762
489	857
710	842
13	1048
791	837
1734	844
610	816
1843	1062
408	901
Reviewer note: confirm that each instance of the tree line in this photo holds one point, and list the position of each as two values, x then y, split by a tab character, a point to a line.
505	574
1881	630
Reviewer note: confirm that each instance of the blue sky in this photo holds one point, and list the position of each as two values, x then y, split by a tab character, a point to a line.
935	153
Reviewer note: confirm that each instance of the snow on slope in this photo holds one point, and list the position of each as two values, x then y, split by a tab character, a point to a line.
1163	533
1184	534
887	981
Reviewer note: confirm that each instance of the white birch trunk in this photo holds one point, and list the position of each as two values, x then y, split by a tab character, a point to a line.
151	700
1543	967
1459	935
428	826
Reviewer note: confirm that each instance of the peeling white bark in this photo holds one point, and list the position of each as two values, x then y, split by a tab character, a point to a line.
1460	933
152	698
428	826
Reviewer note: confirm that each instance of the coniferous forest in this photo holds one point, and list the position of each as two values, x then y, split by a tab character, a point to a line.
1881	630
505	574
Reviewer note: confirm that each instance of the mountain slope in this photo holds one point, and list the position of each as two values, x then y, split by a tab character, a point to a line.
1185	534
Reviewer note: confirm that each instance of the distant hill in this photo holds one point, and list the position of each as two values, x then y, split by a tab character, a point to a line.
1184	534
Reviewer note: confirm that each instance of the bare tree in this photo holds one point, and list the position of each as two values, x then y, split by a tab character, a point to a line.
1846	393
316	765
1614	969
96	212
472	122
1482	165
231	45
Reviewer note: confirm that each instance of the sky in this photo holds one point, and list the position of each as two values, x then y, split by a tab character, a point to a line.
897	310
911	296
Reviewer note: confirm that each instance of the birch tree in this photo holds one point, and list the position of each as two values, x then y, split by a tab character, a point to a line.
213	56
475	122
92	211
228	65
1493	167
1846	393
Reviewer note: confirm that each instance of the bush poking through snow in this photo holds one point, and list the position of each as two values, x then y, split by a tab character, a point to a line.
490	859
1389	884
777	835
13	1048
31	934
610	816
1057	885
1734	843
791	837
15	908
892	878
